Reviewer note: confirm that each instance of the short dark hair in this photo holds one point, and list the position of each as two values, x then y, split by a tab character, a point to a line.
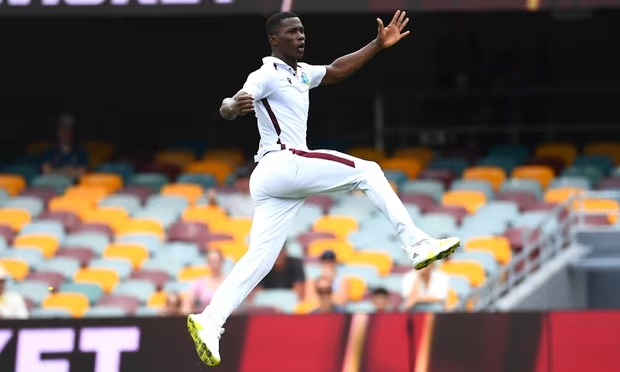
380	291
273	23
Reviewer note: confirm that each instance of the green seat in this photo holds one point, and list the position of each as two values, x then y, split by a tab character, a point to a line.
154	181
593	174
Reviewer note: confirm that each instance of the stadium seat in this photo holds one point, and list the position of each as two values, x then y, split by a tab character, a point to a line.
35	291
15	218
422	201
157	277
473	271
151	242
128	303
142	226
437	225
554	163
34	206
47	244
230	248
50	313
423	154
129	203
124	170
173	202
171	267
109	181
57	182
410	166
52	228
283	299
179	158
232	156
474	185
561	195
602	162
51	279
357	287
32	256
75	303
505	211
91	290
82	254
380	260
341	226
113	217
217	168
140	192
499	161
305	307
609	207
106	278
565	151
153	181
590	172
611	149
98	151
103	311
138	288
493	175
27	171
12	183
523	185
570	181
543	174
203	214
65	266
192	273
470	200
43	193
189	191
517	152
77	206
206	181
367	153
135	253
147	312
165	217
96	242
66	219
84	192
342	249
454	166
433	188
238	227
485	258
18	268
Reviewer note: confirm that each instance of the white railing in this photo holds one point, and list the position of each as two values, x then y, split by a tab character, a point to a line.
557	231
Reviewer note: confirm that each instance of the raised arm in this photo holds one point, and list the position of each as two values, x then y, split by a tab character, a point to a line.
259	84
346	65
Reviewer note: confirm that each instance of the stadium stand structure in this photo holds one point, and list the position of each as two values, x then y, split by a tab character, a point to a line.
113	242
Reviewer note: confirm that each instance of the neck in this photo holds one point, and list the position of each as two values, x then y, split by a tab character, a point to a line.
289	61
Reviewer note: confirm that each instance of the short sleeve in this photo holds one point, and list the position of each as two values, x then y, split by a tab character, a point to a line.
315	73
260	84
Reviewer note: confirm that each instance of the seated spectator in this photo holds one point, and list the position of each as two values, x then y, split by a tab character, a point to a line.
380	299
427	286
287	273
12	304
65	157
174	305
323	289
238	204
202	290
329	270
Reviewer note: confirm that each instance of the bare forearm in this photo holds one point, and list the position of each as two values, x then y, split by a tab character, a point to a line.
347	65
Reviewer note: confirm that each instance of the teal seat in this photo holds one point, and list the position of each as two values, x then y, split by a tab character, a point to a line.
93	291
34	290
457	166
124	170
150	242
154	181
182	252
523	185
66	266
122	266
283	299
33	205
47	227
433	188
56	181
207	181
474	185
104	311
95	241
48	313
138	288
517	152
32	256
27	171
173	203
398	177
602	162
130	203
590	172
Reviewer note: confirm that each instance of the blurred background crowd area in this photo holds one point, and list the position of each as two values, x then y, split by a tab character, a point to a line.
123	193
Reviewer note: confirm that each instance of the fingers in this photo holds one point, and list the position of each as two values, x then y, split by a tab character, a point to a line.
395	18
380	24
402	25
401	18
404	34
244	104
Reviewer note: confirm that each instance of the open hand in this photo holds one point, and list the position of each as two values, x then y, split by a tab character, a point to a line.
393	33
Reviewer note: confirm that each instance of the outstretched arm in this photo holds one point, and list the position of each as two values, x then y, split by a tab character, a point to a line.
345	66
239	104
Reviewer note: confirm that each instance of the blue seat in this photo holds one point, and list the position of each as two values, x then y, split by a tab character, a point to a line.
47	227
150	242
104	311
174	286
4	197
369	239
57	182
169	266
95	241
140	289
91	290
32	256
524	185
121	266
433	188
535	219
460	285
144	311
154	181
124	170
207	181
66	266
28	171
48	313
474	185
130	203
571	181
3	245
517	152
358	206
283	299
488	223
506	211
164	215
33	205
398	177
174	203
457	166
306	216
183	252
429	308
602	162
437	225
33	290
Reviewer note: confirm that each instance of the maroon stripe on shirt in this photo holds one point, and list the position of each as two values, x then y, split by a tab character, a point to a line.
274	121
324	156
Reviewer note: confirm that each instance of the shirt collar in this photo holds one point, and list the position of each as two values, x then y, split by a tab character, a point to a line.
278	62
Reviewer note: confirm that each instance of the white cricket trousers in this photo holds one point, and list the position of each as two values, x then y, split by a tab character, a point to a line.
279	185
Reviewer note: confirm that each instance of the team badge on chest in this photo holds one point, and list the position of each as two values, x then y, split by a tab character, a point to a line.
304	78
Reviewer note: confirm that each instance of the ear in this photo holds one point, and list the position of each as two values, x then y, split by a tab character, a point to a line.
273	40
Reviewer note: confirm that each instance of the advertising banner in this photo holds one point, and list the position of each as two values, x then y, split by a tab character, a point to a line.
520	342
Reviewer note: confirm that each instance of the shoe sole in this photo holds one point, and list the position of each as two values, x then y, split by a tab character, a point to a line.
440	256
201	348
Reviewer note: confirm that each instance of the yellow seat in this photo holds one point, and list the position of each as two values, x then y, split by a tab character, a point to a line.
233	157
111	216
86	192
494	175
189	191
410	166
611	149
72	204
341	226
192	273
206	214
541	173
238	227
47	244
561	194
499	246
104	277
472	271
603	206
305	307
109	181
422	154
135	253
14	217
565	151
452	300
179	158
377	259
38	147
98	151
218	168
17	267
75	303
367	153
356	286
230	249
470	200
142	226
343	250
12	183
157	299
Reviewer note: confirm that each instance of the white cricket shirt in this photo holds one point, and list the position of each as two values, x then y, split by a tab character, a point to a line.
281	103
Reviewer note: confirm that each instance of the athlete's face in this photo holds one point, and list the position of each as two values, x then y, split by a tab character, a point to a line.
291	38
